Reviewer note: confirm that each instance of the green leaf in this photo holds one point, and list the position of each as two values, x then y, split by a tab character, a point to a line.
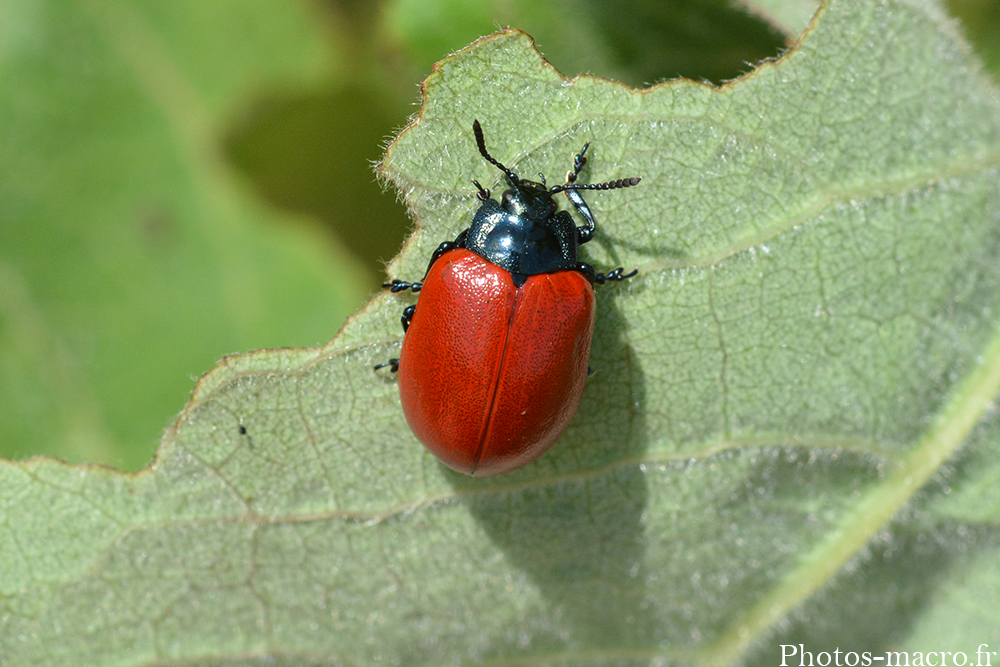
788	437
131	258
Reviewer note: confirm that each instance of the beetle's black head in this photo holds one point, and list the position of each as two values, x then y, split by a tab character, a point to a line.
529	199
524	198
525	233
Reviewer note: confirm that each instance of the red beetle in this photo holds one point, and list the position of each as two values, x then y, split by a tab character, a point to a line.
495	356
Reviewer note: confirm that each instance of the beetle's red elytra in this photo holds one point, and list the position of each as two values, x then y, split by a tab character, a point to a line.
519	355
496	352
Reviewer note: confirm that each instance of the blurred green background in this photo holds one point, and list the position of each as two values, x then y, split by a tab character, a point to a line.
181	181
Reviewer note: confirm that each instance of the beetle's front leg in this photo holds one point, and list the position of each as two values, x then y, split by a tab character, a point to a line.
459	242
585	233
397	286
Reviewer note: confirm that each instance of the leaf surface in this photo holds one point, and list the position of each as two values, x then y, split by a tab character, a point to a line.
787	437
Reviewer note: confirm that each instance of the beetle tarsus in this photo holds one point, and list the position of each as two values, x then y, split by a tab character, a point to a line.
392	364
615	275
397	286
579	160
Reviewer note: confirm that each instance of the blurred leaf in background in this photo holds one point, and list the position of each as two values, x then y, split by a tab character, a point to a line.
131	256
981	24
639	42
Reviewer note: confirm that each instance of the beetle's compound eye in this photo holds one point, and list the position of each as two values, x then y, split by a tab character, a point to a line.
514	201
549	204
539	203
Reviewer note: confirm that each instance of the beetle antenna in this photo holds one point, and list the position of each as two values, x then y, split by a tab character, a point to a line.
477	129
610	185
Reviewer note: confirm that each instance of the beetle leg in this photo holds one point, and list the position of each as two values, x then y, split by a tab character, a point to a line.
616	275
407	317
579	160
587	270
585	233
443	248
405	320
393	365
572	190
401	286
440	250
